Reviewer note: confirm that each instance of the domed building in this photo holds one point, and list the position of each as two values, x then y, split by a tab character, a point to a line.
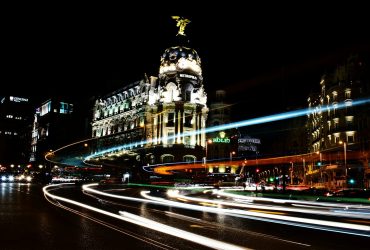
162	118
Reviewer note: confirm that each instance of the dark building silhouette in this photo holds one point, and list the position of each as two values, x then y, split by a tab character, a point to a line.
54	126
15	122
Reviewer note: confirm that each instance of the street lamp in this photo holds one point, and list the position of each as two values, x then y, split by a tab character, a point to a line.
209	141
291	173
231	155
345	157
320	165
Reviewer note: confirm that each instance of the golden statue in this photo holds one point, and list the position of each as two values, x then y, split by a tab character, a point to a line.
181	23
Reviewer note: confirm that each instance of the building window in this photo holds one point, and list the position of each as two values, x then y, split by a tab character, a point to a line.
65	108
335	95
45	108
167	158
336	123
152	159
350	138
171	137
188	118
187	140
349	120
336	138
347	94
171	120
189	158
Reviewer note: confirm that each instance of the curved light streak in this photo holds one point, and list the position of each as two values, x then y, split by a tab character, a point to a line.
288	220
205	241
250	206
131	218
316	204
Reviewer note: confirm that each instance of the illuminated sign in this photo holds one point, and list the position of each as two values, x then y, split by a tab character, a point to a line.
18	99
248	144
249	140
188	76
247	148
221	138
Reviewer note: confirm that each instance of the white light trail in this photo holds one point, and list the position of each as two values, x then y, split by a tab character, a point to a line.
282	219
297	202
134	219
205	241
175	194
278	217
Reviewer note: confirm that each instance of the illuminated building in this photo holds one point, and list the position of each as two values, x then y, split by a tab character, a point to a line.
337	132
157	112
15	114
53	127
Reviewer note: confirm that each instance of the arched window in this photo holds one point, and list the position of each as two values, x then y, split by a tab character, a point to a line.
167	158
189	158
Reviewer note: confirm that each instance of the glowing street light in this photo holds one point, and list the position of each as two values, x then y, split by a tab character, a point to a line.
231	155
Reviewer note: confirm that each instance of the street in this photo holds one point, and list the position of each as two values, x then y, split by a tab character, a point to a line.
29	221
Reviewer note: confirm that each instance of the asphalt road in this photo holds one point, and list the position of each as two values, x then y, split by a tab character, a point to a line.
29	221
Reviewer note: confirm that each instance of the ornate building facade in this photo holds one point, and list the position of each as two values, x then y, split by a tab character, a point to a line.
163	117
339	138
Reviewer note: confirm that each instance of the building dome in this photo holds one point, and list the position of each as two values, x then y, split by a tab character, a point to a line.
180	59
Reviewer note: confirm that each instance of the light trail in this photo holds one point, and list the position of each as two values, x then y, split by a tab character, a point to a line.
332	226
134	219
274	209
131	234
245	123
205	241
288	220
316	204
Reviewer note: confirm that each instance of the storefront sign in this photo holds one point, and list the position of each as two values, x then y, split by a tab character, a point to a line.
221	138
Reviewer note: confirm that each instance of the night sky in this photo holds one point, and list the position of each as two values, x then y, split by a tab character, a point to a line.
258	54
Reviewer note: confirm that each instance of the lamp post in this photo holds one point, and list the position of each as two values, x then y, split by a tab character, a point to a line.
231	156
345	158
320	165
209	141
291	173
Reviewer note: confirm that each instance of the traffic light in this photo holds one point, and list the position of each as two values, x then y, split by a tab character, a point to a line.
257	170
351	181
319	163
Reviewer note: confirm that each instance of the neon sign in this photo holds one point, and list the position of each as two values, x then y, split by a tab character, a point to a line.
221	138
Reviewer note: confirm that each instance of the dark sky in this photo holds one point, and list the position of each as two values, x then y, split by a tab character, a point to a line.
259	54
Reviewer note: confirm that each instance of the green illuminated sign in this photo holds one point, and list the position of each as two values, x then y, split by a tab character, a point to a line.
221	138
